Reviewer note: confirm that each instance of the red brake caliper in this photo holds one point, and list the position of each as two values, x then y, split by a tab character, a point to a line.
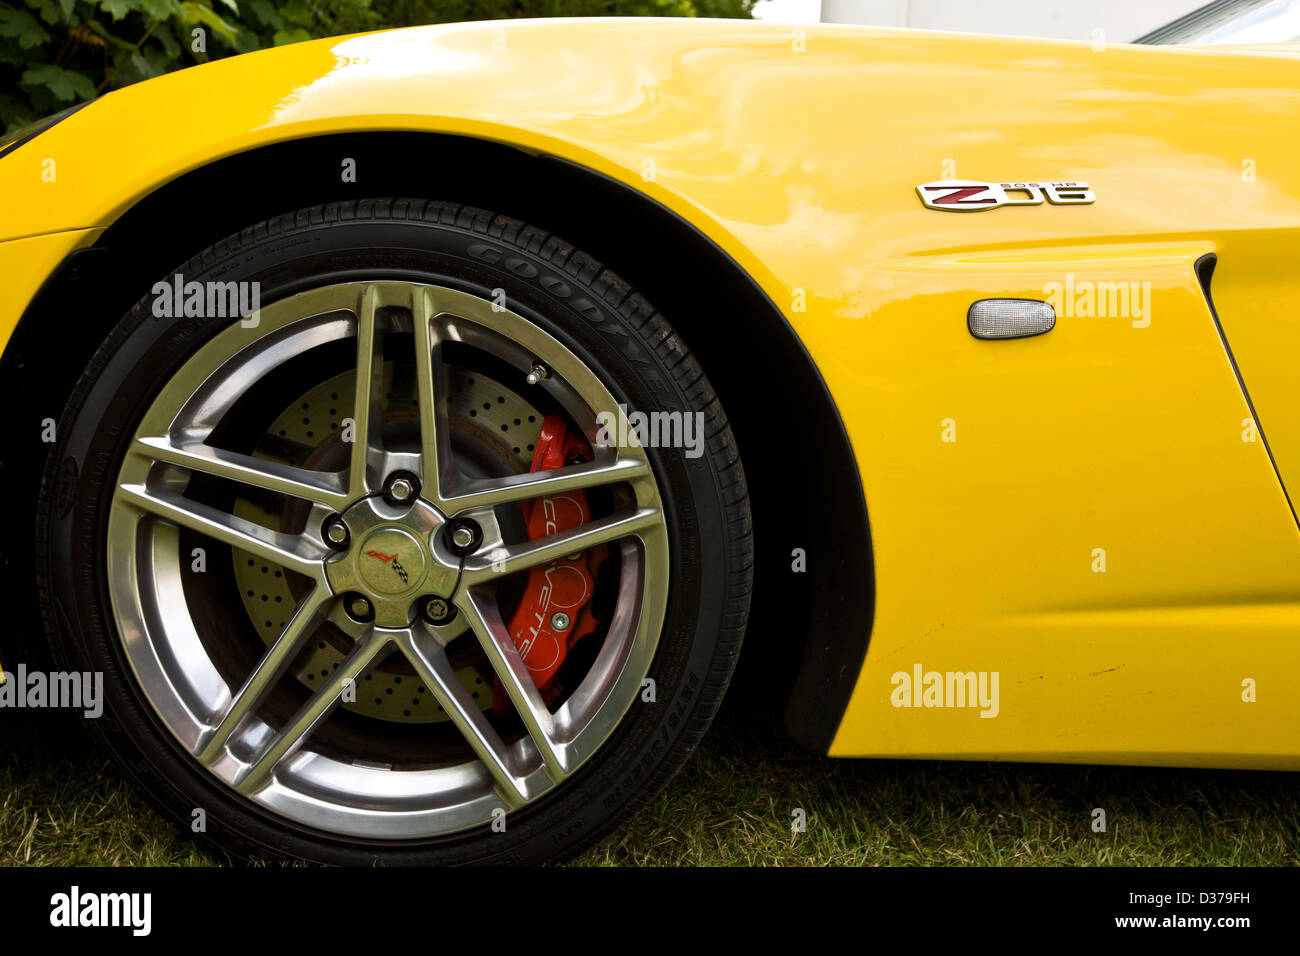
563	587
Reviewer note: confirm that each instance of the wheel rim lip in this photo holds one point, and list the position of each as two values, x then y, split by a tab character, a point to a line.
180	681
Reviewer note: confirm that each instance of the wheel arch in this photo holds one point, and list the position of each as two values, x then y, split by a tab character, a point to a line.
808	632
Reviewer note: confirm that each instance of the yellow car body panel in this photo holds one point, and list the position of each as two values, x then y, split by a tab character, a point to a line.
1091	514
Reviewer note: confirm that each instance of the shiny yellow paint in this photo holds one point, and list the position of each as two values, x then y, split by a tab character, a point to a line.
798	152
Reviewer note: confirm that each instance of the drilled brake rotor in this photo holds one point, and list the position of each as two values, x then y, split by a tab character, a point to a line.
487	420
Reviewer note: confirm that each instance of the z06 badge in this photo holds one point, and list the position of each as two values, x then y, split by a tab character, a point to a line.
963	195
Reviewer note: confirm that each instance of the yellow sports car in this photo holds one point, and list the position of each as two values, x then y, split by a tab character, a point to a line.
380	404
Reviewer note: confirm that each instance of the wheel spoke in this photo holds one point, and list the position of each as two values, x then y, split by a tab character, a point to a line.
429	659
435	432
294	552
487	493
273	476
367	432
519	557
308	616
494	638
291	737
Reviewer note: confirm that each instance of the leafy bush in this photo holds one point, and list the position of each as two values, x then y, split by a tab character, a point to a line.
54	53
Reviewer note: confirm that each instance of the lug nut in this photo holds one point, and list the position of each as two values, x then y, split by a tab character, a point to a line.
559	621
359	608
438	611
464	535
336	532
538	372
401	487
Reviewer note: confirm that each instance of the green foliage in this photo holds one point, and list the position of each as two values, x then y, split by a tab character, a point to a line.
54	53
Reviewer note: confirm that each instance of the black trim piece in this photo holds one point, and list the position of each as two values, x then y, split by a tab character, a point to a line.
40	126
1201	20
1204	273
36	375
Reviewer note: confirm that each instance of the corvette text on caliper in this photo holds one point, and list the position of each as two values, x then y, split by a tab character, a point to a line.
555	610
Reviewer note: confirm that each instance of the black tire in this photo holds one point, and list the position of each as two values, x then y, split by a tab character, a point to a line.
617	333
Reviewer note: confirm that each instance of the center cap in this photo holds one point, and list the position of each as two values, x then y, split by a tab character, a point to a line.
392	562
394	558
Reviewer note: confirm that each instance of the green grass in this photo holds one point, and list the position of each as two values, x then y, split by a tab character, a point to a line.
732	806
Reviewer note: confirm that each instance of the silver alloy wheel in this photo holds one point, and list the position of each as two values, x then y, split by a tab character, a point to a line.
219	722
